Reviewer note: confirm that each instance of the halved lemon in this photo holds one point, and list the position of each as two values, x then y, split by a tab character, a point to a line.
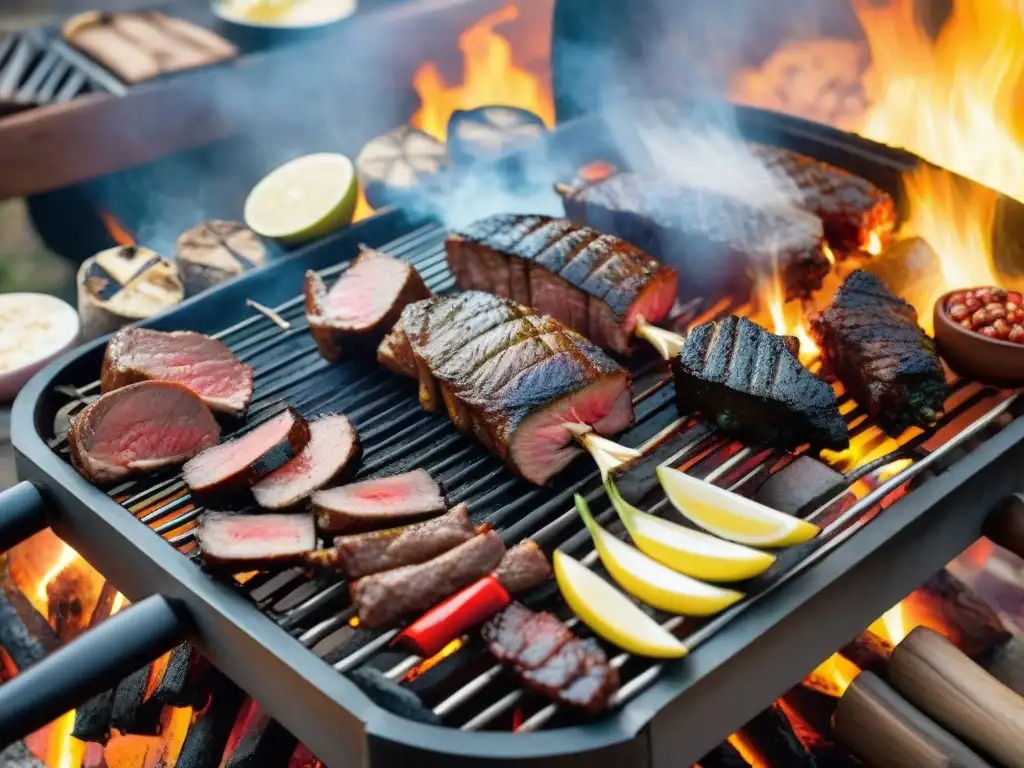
611	614
696	554
650	581
304	199
730	515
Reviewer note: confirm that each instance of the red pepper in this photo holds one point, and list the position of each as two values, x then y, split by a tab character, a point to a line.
448	620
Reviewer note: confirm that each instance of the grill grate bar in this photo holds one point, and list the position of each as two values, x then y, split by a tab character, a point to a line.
15	68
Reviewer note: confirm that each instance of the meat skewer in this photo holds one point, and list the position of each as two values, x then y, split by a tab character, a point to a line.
382	502
240	543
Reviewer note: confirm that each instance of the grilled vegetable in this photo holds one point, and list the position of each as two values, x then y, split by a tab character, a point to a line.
487	134
140	428
747	381
254	542
378	503
871	341
204	365
596	284
393	165
217	251
509	377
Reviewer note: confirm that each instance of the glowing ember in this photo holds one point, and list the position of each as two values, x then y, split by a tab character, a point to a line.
117	232
786	318
67	556
434	660
747	751
874	246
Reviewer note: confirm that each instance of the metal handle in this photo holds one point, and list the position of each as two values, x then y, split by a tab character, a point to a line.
90	664
22	514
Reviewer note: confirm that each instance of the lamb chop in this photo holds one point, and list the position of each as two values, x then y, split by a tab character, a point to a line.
510	377
750	384
596	284
870	340
711	239
382	502
204	365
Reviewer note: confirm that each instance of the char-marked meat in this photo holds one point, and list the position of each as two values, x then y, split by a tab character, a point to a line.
510	377
363	305
140	428
254	542
548	658
241	462
523	567
712	240
596	284
747	381
333	445
382	502
870	340
204	365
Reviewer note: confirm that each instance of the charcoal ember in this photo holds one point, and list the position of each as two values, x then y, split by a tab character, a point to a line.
92	719
208	737
24	633
391	167
723	756
184	682
265	744
801	487
64	598
773	736
489	133
391	696
131	712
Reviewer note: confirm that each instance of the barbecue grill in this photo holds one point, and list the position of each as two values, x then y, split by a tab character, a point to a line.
285	637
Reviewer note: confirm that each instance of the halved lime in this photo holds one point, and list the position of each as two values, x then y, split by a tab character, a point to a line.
304	199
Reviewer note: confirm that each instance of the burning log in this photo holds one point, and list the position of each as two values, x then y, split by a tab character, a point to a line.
24	632
265	744
723	756
184	682
772	735
206	741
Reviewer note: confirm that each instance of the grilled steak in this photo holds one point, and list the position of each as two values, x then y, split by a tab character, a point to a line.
596	284
851	208
871	341
254	542
550	659
362	554
378	503
384	598
523	568
749	383
333	444
204	365
363	305
714	241
140	428
510	377
246	459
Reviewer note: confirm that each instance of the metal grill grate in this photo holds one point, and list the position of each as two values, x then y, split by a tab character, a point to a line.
465	687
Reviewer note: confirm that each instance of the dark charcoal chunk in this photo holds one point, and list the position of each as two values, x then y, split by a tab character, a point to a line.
801	487
130	714
391	696
207	739
266	744
92	719
184	682
24	632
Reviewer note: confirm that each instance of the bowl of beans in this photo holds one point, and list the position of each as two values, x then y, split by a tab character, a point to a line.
980	334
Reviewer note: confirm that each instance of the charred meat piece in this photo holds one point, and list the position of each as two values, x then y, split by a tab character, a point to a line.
384	598
712	240
596	284
363	305
378	503
333	445
140	428
850	207
204	365
524	567
871	341
254	542
550	659
246	459
362	554
510	377
750	385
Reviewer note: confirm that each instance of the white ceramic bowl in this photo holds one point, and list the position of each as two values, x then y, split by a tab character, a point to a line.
34	330
250	35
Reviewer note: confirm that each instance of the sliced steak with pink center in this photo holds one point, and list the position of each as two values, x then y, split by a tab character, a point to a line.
245	460
510	377
383	502
204	365
333	445
254	542
140	428
363	305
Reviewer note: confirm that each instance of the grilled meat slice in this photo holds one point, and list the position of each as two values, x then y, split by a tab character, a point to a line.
596	284
550	659
378	503
510	377
333	445
384	598
204	365
363	305
748	382
712	240
850	207
871	341
140	428
254	542
245	460
523	568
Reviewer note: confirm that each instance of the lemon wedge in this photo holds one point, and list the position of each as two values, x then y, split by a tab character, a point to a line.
693	553
730	515
650	581
611	614
304	199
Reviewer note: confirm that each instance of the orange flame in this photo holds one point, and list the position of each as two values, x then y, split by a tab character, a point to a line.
747	751
434	660
117	232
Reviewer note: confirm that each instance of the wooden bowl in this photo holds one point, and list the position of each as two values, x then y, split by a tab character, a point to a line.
990	361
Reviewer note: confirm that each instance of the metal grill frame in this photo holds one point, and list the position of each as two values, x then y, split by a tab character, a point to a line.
686	711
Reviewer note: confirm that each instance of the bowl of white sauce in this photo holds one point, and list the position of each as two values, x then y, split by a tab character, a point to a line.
34	330
254	24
